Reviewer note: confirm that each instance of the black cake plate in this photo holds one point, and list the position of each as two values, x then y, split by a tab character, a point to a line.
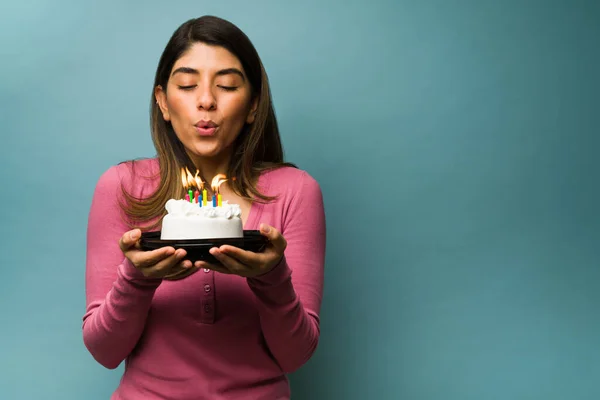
198	249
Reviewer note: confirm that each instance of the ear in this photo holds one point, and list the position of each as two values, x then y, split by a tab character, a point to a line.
161	100
252	113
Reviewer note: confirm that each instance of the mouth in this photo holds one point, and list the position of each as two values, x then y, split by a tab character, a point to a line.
206	128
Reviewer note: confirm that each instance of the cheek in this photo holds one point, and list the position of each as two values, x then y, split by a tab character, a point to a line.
177	105
238	110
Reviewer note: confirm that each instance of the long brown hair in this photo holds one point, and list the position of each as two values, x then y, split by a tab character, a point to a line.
257	148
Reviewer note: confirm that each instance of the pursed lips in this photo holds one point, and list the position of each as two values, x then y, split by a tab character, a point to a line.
206	128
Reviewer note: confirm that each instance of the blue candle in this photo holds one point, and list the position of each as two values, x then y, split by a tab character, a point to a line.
214	200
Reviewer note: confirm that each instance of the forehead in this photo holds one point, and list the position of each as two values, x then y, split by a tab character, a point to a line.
203	57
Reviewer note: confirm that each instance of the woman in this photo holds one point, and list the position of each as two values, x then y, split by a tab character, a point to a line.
202	331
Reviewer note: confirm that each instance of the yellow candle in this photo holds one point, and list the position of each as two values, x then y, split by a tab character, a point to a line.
204	197
219	200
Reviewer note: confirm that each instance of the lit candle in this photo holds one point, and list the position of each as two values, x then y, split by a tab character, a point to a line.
188	183
216	183
184	181
204	197
199	185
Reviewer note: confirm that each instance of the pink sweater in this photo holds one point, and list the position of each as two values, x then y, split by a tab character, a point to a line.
211	335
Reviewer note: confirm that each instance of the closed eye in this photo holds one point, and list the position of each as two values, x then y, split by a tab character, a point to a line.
228	88
187	87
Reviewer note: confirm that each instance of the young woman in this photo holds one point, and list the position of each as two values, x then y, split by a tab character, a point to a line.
202	331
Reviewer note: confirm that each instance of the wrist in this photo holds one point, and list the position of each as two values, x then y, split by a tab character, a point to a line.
276	275
134	275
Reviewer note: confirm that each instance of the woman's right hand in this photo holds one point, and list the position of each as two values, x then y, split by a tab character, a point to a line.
165	262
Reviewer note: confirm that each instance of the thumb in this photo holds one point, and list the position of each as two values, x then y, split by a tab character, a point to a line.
129	239
274	236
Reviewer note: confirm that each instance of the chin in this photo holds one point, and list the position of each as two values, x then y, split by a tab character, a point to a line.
202	151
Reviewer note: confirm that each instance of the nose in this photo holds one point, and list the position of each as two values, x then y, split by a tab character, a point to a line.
207	100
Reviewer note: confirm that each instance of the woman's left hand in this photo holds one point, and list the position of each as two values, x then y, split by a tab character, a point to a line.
246	263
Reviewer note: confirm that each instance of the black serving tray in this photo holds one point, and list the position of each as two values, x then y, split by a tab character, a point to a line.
198	249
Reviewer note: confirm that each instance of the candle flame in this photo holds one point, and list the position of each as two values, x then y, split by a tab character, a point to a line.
198	181
188	180
184	178
190	177
217	181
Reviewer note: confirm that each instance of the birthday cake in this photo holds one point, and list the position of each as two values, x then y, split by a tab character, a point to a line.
187	220
194	217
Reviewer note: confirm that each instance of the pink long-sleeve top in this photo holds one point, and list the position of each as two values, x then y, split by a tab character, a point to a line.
211	335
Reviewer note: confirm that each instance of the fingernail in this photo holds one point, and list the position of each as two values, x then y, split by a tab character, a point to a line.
266	228
134	235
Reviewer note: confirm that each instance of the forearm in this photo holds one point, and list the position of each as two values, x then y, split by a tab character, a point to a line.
113	325
290	329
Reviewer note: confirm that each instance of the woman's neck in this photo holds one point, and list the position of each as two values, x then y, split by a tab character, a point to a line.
211	167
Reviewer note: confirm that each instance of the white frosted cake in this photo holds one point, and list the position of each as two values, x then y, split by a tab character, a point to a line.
188	220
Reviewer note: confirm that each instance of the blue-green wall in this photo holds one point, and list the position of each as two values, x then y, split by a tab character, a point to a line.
456	143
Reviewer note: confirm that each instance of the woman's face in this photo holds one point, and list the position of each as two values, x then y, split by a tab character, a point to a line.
208	100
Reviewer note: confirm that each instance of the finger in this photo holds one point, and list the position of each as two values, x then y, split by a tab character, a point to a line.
129	239
230	263
178	268
211	266
162	267
275	237
149	259
245	257
182	273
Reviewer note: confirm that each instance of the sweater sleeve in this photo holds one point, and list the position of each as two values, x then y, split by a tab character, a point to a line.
289	296
118	296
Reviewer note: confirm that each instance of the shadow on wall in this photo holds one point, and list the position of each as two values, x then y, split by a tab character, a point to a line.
337	369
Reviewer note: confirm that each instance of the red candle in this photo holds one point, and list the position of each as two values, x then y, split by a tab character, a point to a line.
196	194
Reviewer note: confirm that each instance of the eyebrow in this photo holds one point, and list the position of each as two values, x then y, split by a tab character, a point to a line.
193	71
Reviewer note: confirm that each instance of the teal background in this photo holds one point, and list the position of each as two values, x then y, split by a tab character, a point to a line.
456	143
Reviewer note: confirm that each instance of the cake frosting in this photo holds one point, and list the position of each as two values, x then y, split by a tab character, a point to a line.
189	220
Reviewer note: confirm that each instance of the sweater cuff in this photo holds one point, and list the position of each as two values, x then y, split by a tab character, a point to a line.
276	276
135	276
